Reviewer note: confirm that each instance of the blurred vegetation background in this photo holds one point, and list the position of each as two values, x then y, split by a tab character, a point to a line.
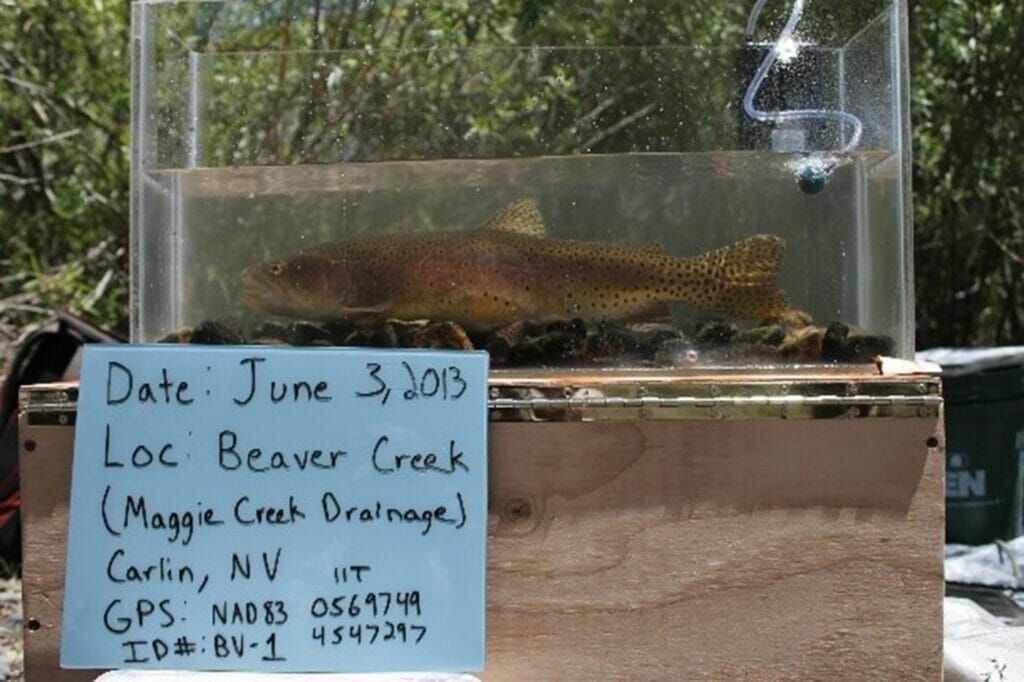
64	140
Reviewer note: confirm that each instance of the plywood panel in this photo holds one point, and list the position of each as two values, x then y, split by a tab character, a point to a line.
764	549
716	550
45	467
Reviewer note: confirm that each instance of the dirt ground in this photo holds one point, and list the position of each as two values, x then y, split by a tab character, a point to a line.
10	630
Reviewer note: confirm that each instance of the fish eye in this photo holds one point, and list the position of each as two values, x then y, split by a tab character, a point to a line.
276	269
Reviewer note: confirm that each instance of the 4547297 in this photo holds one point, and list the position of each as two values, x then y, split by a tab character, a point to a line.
367	634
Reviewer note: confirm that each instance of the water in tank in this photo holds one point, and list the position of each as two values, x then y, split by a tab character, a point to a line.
610	184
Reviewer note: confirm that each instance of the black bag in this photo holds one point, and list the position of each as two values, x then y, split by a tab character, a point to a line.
51	353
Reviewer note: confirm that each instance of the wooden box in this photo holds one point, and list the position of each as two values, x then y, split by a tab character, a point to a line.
657	527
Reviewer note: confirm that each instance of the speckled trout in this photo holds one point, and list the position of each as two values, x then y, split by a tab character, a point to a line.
509	270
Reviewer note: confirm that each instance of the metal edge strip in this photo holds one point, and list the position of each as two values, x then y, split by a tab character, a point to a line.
823	398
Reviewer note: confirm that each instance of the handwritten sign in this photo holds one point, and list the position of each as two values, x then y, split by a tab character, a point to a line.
278	509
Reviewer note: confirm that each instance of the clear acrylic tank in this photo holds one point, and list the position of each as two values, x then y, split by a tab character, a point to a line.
614	184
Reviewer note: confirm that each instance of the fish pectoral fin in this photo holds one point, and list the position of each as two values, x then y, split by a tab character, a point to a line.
521	217
655	311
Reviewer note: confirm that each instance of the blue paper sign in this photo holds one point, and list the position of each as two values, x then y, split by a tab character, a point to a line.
244	508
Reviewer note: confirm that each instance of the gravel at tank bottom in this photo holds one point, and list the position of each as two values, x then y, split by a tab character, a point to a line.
573	342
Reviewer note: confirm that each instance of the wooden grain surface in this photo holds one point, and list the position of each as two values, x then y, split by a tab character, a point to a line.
759	550
799	550
45	469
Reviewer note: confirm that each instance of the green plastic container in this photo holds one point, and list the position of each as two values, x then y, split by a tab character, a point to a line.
984	394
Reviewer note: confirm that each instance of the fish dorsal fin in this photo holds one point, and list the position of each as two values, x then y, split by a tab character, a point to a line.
653	248
521	217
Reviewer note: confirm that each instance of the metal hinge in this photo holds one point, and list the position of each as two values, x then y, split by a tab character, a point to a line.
50	406
655	402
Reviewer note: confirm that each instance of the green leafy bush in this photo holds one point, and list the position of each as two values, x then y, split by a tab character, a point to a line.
64	112
968	116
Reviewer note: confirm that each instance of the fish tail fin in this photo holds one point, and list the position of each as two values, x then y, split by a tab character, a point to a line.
741	280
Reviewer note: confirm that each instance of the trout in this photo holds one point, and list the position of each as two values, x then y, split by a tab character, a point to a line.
508	270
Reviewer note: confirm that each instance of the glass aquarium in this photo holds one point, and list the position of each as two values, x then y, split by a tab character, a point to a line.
589	184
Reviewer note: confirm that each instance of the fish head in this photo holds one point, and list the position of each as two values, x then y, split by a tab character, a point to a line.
307	285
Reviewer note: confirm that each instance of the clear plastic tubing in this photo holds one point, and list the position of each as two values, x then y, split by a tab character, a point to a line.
785	39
